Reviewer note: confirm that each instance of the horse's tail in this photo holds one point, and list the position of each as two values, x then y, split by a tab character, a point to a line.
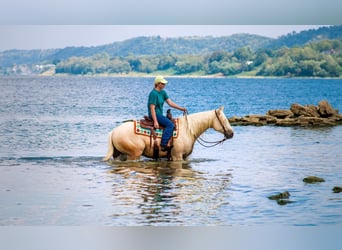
110	151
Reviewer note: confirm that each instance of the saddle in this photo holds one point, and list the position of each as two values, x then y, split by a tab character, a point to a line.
148	123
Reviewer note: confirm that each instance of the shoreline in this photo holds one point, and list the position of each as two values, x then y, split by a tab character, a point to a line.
168	76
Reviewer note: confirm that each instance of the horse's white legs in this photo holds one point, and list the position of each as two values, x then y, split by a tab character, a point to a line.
177	155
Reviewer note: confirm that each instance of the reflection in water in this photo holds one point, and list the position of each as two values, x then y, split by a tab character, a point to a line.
165	192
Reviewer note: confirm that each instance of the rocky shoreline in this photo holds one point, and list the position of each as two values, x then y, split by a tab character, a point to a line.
298	115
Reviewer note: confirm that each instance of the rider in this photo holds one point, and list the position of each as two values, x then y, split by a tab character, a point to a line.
156	100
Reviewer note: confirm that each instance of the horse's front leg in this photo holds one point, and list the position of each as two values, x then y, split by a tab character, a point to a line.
181	150
176	155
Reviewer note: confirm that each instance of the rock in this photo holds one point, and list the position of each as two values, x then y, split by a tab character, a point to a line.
257	120
280	113
337	118
287	122
313	179
325	109
307	111
234	119
298	115
281	198
337	189
297	109
315	121
284	195
311	110
270	119
284	202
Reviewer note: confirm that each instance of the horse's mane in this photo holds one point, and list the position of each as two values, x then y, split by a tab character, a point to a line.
197	123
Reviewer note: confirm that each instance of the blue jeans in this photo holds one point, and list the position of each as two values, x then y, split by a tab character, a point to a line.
165	122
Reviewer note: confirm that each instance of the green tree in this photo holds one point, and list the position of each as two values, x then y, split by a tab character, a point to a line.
309	68
118	65
331	66
244	54
188	64
218	56
260	58
166	62
284	66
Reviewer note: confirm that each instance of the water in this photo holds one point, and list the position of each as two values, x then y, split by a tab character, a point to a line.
54	134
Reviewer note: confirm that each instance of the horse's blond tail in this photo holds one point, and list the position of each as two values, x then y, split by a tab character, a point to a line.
110	151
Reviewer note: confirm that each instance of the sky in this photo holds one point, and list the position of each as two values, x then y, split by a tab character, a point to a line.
60	36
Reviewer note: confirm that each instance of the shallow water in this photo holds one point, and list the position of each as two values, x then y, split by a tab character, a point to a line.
52	143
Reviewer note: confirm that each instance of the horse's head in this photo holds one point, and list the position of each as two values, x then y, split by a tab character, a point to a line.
221	123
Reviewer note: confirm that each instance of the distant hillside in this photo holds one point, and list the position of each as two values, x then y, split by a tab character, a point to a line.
137	46
313	35
158	46
194	45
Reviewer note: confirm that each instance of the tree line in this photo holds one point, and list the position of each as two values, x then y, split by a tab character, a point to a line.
320	59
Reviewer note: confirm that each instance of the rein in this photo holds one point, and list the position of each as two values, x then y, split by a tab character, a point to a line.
212	143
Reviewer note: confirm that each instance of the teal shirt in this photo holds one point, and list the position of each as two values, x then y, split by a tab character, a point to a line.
158	99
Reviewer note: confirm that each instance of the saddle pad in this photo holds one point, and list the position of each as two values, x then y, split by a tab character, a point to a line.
146	131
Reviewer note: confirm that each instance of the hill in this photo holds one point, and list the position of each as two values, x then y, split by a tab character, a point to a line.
154	45
307	36
227	55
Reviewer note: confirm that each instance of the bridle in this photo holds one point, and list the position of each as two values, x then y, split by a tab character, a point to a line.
209	144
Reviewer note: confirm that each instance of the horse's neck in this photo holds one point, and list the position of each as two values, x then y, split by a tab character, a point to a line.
198	123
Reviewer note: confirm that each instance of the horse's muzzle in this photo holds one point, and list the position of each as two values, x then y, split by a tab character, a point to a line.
228	135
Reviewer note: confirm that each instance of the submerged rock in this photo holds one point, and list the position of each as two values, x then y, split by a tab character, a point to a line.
284	195
284	202
337	189
281	198
313	179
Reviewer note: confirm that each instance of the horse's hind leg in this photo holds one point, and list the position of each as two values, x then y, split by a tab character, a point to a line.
134	156
117	155
112	152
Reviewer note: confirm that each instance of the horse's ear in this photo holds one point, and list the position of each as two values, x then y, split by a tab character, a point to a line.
221	108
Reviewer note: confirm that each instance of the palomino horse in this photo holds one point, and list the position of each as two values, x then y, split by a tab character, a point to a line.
124	144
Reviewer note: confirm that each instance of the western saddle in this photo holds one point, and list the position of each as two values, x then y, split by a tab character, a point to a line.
148	123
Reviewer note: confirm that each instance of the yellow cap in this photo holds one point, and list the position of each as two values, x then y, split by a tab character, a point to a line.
160	79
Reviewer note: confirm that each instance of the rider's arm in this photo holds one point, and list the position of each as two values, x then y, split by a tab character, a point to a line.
154	116
174	105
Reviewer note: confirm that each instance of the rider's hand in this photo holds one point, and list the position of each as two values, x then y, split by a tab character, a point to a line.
156	125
